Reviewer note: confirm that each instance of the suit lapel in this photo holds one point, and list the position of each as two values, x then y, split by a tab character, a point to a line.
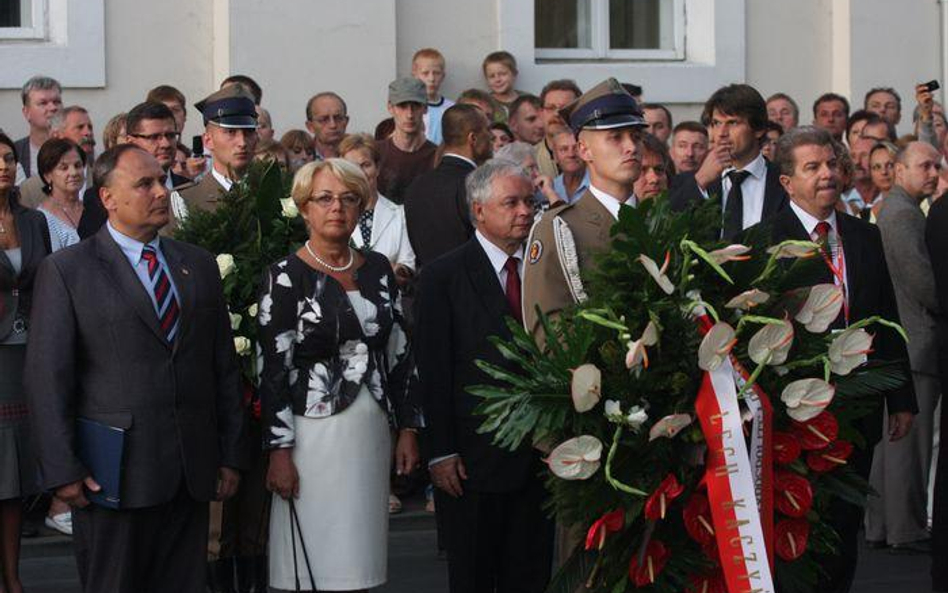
775	198
485	283
384	214
855	268
184	282
119	270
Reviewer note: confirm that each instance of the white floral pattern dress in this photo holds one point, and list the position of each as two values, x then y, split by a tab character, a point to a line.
335	368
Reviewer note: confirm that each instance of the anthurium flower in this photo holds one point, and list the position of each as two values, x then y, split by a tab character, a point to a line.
790	538
610	522
653	561
669	426
586	387
786	448
830	458
771	344
817	433
793	495
658	273
748	300
849	349
736	252
657	504
805	398
716	346
821	308
794	249
697	518
637	355
577	458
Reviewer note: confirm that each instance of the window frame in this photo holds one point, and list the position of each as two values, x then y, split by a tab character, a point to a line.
599	37
37	28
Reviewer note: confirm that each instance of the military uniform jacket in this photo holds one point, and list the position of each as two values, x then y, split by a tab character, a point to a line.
203	195
562	244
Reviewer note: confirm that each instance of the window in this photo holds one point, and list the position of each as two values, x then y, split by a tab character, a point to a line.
22	19
609	29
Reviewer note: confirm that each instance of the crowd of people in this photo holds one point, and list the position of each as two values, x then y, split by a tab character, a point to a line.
423	236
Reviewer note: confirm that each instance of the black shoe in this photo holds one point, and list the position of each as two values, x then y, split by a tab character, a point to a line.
220	576
261	569
874	544
919	547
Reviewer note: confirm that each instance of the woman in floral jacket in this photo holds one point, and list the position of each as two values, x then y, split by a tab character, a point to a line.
335	371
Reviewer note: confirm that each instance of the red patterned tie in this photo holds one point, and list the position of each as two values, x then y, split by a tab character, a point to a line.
513	288
822	231
165	300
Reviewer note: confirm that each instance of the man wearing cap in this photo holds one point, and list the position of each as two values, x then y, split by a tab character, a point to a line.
230	134
405	154
608	125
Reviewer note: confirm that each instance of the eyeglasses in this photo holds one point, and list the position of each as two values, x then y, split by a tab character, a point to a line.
326	199
152	138
325	119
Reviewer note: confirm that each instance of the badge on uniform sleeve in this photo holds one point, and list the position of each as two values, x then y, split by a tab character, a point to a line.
536	250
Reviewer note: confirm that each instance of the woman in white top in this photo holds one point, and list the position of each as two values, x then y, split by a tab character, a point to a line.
61	166
382	225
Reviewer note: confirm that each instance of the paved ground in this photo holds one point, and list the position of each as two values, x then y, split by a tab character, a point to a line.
48	566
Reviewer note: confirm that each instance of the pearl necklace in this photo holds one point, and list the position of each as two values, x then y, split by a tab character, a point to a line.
320	261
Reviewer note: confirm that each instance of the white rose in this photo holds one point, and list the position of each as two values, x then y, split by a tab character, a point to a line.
242	345
289	208
235	319
252	310
225	264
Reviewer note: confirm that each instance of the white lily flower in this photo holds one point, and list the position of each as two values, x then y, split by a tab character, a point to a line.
669	426
806	398
736	252
586	387
748	299
225	264
658	273
789	251
849	350
821	308
773	342
577	458
716	346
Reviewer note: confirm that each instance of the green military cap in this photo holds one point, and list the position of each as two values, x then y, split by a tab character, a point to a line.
604	107
230	107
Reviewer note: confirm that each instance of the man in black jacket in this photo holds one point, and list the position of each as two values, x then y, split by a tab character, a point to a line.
496	534
435	208
856	263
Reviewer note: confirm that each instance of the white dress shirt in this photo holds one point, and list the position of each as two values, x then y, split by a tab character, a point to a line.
832	238
752	190
225	182
610	203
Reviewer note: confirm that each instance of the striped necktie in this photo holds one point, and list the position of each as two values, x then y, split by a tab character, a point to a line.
165	301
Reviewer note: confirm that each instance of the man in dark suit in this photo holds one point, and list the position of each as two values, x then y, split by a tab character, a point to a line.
132	331
151	127
42	98
435	209
496	534
856	262
734	170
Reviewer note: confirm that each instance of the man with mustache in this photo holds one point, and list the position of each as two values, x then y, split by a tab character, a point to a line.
230	135
72	123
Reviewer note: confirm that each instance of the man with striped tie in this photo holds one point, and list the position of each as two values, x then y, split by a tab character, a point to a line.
131	331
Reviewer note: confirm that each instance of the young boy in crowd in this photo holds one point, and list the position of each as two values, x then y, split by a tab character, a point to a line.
500	72
427	65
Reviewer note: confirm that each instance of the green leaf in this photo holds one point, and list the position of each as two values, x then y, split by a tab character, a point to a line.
574	572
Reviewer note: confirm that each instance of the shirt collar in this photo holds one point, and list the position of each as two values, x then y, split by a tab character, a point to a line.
610	203
225	182
809	221
497	256
757	167
132	248
463	158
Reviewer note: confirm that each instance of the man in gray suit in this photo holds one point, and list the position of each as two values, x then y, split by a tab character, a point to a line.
898	516
131	331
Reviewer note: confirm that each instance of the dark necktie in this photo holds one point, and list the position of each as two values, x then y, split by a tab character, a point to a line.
512	289
165	300
365	227
734	207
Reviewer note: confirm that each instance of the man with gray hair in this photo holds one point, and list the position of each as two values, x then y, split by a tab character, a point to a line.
42	97
488	499
72	123
898	517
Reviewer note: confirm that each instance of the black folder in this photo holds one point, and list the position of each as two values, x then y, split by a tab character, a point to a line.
101	449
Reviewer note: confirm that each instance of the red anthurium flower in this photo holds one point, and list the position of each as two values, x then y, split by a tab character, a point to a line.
656	555
786	448
790	537
793	495
818	432
707	583
658	502
830	458
609	523
697	518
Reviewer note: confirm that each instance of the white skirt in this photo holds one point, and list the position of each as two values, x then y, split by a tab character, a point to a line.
343	462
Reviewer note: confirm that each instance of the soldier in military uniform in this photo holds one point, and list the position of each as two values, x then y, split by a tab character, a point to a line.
608	124
230	134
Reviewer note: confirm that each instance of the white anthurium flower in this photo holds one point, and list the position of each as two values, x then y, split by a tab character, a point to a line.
806	398
658	273
235	319
669	426
748	299
771	344
637	355
225	264
736	252
821	308
289	208
716	346
586	387
577	458
242	345
800	249
849	349
650	335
